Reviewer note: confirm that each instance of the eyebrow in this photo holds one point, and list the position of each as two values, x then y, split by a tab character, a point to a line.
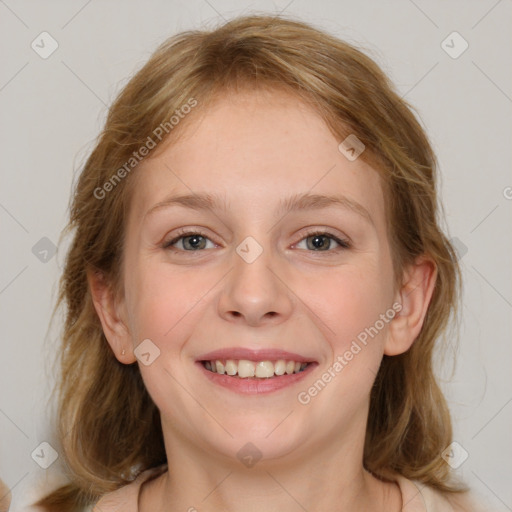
295	202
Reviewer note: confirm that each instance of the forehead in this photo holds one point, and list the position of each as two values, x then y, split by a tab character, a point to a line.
253	148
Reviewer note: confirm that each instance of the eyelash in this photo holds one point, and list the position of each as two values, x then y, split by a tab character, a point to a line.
342	242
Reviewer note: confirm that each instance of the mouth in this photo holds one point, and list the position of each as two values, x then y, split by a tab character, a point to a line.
245	369
255	371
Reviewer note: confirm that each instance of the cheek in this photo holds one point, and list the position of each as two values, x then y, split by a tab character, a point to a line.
351	304
158	307
164	303
165	306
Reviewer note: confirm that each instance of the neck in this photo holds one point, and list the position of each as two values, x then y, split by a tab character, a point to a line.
329	479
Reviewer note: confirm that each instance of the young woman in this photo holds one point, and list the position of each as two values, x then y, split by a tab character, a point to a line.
255	288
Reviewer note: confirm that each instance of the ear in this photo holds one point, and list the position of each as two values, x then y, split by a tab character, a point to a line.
111	314
414	296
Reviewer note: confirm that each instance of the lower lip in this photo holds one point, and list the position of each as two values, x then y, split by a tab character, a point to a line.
254	385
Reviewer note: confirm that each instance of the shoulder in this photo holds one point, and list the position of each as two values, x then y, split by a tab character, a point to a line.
126	497
418	497
466	502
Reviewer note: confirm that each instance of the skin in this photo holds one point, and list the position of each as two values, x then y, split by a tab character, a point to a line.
5	497
255	149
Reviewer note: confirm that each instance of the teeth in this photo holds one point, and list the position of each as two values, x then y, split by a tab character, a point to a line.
260	369
231	367
245	368
265	369
280	367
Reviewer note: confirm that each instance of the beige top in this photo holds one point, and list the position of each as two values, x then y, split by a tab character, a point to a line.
416	497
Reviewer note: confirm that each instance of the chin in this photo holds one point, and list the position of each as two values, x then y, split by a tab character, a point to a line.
261	443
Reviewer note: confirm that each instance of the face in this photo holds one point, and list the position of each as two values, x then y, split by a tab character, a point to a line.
259	278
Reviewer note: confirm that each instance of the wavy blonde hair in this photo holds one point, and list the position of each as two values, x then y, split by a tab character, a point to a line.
109	427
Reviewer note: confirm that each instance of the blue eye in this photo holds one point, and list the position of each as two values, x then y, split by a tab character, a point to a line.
321	241
195	241
191	241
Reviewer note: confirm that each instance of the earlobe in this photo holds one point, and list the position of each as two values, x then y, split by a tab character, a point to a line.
414	296
108	311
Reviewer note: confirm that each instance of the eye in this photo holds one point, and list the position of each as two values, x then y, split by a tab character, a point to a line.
191	241
321	241
194	241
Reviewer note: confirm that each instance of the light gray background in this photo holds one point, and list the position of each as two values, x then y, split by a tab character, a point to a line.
53	108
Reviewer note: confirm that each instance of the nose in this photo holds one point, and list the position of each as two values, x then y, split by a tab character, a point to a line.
255	293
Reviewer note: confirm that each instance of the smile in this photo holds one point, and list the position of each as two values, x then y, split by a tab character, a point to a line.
244	368
254	371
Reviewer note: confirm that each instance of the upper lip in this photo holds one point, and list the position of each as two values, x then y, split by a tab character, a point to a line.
254	355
